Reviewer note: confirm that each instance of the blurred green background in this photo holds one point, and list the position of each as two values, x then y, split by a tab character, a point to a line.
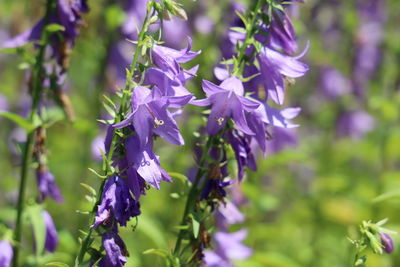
303	202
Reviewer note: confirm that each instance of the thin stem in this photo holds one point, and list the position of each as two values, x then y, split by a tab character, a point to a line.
38	74
86	242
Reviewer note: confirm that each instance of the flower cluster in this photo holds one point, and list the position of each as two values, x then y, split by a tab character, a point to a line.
268	65
154	103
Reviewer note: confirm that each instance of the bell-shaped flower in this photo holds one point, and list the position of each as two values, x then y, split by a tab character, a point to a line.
229	247
264	116
227	101
281	32
115	250
169	59
51	241
243	154
150	115
274	67
116	202
145	162
169	84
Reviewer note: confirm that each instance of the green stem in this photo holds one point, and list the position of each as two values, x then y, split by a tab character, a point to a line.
86	242
250	31
37	76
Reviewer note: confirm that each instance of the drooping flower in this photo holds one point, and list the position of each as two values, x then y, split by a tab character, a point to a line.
47	186
264	116
274	67
145	162
116	203
150	115
68	14
227	101
387	242
51	232
115	250
6	253
243	154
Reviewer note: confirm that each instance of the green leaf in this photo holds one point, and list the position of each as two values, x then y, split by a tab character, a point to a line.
387	195
160	252
21	121
238	29
57	264
89	188
54	27
34	213
195	226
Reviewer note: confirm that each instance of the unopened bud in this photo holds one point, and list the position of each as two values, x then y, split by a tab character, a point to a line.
387	242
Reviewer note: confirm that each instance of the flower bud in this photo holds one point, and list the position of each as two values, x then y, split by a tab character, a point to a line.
387	242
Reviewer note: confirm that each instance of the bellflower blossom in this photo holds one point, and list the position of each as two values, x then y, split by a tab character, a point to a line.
51	241
150	115
115	250
116	203
227	101
6	253
229	247
274	67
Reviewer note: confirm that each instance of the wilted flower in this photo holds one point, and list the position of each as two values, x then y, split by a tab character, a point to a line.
46	185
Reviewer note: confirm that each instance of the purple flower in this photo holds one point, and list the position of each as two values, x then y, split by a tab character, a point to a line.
3	103
51	232
169	59
355	124
241	146
145	162
281	138
150	115
115	250
274	67
265	115
281	32
333	83
387	242
46	185
227	101
215	188
6	253
229	247
97	146
116	203
230	213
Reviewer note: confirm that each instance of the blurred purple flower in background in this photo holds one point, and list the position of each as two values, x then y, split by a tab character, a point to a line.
333	84
355	124
3	103
6	253
51	232
228	247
